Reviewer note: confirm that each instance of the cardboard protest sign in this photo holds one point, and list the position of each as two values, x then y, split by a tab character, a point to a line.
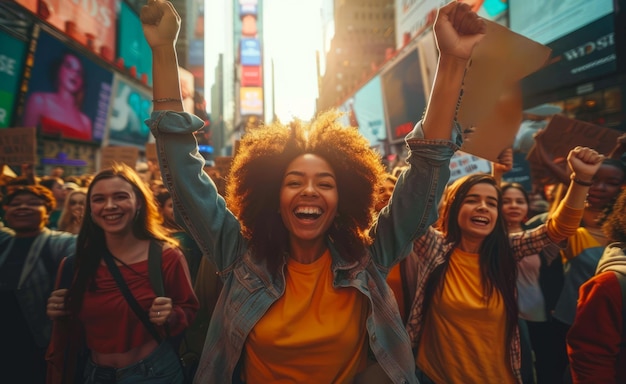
127	155
18	146
561	135
491	99
463	164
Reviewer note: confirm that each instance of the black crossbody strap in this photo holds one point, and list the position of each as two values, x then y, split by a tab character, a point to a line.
155	273
115	271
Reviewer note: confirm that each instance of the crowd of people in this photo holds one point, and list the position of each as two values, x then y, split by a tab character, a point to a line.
314	263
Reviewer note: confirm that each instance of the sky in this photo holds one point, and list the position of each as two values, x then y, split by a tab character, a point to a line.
292	34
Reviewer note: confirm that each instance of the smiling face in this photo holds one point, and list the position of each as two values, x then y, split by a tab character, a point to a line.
26	214
478	213
384	194
113	204
308	198
514	207
607	183
76	204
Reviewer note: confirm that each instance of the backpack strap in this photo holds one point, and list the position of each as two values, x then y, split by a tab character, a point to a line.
154	267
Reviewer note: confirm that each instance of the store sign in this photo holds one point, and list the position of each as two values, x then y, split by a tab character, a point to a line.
11	62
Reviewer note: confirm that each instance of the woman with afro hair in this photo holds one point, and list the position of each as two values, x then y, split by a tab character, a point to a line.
294	240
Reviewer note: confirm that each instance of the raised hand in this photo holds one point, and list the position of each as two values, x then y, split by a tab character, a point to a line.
584	162
458	30
160	23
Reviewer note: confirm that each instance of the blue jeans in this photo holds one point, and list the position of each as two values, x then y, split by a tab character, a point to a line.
160	367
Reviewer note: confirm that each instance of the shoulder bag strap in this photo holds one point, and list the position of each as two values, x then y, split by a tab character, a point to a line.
154	267
108	258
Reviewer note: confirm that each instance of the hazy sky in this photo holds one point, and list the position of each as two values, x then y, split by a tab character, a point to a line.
292	34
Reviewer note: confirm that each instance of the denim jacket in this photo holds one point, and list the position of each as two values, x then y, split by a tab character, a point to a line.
37	281
249	289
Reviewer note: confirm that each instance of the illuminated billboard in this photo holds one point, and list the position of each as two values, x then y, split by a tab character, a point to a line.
131	106
68	94
11	63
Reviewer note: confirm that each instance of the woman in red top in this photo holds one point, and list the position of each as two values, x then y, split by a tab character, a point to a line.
122	218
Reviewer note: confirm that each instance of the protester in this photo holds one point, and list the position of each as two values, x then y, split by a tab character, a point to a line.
121	226
73	211
304	294
29	256
55	185
595	342
464	320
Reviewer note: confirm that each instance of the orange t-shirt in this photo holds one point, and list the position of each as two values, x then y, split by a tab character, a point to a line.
314	333
394	280
463	340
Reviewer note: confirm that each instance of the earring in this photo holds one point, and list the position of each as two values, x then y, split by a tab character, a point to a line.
137	212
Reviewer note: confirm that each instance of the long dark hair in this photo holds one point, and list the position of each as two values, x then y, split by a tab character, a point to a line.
91	238
255	179
498	267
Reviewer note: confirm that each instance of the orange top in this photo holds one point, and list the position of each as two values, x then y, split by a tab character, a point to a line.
314	333
394	279
464	337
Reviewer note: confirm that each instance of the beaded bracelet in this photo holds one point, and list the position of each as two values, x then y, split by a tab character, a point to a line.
580	182
166	99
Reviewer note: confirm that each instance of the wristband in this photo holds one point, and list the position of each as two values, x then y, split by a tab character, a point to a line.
166	99
580	182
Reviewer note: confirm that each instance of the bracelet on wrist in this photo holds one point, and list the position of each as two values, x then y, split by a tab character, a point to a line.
579	181
166	99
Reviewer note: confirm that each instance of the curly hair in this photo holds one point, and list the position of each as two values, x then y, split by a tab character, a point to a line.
614	226
38	190
254	183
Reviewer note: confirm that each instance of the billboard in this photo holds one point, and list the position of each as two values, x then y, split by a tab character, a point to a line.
404	95
251	101
132	45
251	76
92	23
367	113
250	53
68	94
11	65
130	107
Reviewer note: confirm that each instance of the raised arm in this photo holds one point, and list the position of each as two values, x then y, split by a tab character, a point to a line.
584	162
457	31
198	206
503	165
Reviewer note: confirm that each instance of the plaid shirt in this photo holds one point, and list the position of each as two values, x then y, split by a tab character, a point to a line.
430	251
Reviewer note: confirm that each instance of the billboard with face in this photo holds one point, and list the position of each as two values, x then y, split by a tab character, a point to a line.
68	94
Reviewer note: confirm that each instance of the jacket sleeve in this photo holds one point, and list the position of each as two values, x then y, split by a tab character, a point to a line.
593	341
413	206
197	205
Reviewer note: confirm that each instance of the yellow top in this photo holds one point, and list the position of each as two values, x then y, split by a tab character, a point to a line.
313	334
394	279
463	340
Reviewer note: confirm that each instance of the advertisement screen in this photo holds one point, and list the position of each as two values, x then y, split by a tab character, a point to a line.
92	23
68	94
367	106
11	60
251	101
545	21
130	107
133	47
403	95
250	52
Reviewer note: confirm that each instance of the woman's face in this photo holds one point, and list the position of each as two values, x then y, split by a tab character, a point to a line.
167	211
514	206
478	213
384	194
113	205
26	213
76	204
308	197
607	183
71	74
